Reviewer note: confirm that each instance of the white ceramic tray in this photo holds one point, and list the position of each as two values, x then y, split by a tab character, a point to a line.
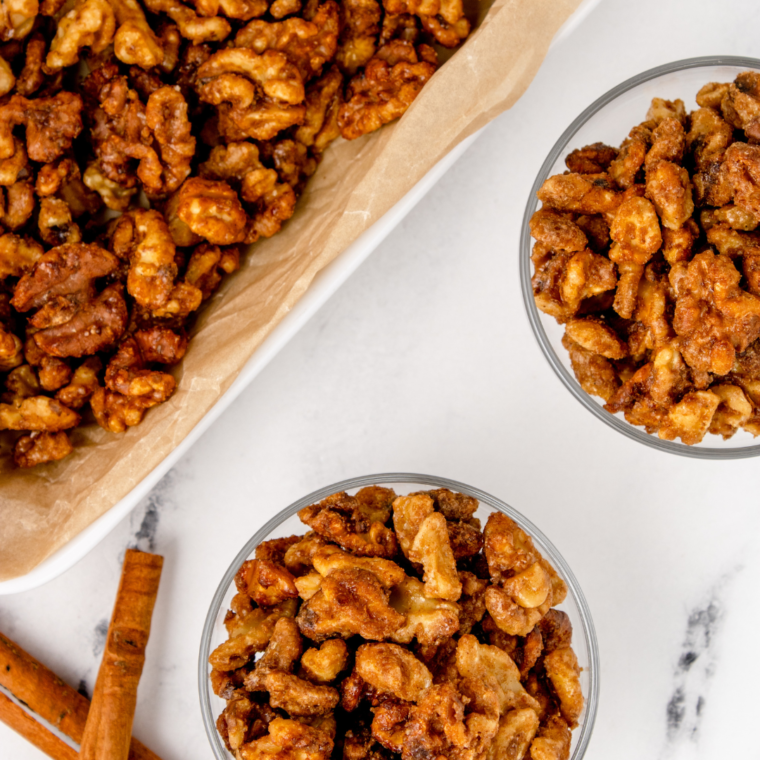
323	286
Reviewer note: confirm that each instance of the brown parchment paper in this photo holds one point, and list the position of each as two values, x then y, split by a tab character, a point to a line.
43	508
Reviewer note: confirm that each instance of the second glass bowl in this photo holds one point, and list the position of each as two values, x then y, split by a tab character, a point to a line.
287	523
608	120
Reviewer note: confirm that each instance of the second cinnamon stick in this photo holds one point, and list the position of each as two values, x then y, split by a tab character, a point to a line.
109	724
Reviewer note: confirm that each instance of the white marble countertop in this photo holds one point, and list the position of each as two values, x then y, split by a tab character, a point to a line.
424	362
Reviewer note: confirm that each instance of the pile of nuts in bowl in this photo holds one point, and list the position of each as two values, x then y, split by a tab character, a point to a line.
649	255
397	627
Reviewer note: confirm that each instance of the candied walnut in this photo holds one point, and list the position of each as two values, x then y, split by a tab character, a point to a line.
708	137
669	188
409	512
17	18
294	695
432	549
256	95
483	662
270	201
92	327
635	232
56	224
192	26
741	103
160	344
624	168
647	395
733	216
557	231
597	337
40	448
465	540
580	193
591	159
289	738
274	549
384	91
113	195
352	524
399	26
250	631
331	558
553	740
265	582
711	95
166	116
454	506
733	412
20	205
7	78
349	602
307	44
392	670
428	620
53	373
510	616
597	231
125	374
507	546
516	731
324	664
690	418
556	630
668	142
324	97
244	720
677	244
564	675
359	34
472	602
593	372
135	42
21	383
298	557
11	350
714	317
444	19
211	210
67	270
14	167
91	23
83	383
439	726
51	125
208	264
142	237
389	724
37	413
32	76
743	166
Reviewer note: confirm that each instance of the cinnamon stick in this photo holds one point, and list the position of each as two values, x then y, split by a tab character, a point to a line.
49	697
42	738
109	723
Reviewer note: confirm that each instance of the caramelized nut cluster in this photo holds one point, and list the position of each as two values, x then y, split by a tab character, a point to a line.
650	256
397	628
141	143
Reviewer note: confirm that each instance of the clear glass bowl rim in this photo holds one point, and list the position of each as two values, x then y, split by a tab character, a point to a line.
546	546
534	317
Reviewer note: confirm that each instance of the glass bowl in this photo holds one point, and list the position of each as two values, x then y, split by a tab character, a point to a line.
286	523
608	120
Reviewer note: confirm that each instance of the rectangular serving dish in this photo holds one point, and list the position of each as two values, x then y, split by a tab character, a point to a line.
323	286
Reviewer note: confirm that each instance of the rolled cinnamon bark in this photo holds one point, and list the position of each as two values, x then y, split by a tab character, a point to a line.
109	723
23	723
48	696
